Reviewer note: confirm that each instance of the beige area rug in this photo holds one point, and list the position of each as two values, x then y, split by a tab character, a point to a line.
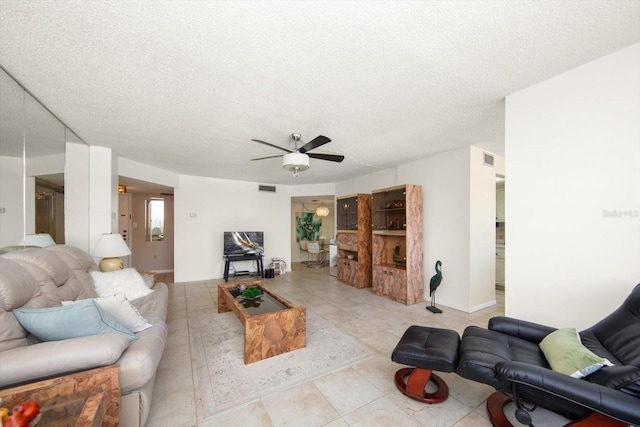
226	382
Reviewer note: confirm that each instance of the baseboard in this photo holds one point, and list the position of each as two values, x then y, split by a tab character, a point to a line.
468	309
483	305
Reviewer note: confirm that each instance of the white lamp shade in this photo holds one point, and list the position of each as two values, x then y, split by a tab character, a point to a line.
110	246
322	211
295	162
42	240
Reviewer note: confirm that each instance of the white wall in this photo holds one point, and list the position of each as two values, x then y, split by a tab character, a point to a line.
482	230
76	194
11	199
207	207
464	244
573	156
103	193
445	179
137	170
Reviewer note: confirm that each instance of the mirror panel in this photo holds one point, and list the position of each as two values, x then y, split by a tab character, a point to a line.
32	165
44	161
44	135
12	223
11	117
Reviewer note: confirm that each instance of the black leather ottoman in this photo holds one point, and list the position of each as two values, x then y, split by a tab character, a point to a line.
425	349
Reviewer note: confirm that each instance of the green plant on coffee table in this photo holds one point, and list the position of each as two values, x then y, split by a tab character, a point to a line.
251	293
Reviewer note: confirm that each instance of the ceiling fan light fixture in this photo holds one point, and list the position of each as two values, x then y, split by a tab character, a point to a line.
295	162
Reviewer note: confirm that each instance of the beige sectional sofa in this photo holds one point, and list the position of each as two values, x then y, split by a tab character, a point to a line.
44	277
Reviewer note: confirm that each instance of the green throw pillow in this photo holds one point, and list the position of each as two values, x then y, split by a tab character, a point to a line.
566	354
70	321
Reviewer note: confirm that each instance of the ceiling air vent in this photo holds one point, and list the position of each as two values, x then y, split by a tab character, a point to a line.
488	159
269	188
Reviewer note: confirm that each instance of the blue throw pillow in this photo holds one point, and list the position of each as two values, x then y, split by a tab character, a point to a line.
70	321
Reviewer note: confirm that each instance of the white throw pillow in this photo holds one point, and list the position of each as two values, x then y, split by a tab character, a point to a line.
149	280
121	310
127	281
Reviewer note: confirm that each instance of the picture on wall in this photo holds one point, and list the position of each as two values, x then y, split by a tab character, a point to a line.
306	227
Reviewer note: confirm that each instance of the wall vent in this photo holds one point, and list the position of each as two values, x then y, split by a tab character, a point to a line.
488	159
270	188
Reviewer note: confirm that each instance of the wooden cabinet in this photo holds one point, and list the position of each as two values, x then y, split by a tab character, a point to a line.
354	239
347	212
388	280
397	243
348	271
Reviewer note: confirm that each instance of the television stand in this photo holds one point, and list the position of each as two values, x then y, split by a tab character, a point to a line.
228	259
241	273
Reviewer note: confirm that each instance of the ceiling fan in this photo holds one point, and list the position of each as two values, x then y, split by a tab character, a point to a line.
297	160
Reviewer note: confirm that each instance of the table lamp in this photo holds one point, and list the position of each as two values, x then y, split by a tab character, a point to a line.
41	240
110	248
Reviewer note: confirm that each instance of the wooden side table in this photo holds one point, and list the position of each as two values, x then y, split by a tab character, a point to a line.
83	399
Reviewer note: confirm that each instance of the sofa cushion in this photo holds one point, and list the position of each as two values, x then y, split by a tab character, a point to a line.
18	289
54	276
566	354
153	307
55	358
121	310
139	363
76	320
127	281
80	264
45	266
481	349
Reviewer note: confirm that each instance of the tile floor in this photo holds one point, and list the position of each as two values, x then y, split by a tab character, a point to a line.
360	395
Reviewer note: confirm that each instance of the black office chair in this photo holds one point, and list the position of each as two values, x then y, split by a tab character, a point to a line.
507	357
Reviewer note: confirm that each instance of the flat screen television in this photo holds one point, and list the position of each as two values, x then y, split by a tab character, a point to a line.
243	242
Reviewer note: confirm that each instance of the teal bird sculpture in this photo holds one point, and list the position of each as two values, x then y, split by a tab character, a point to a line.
433	285
436	279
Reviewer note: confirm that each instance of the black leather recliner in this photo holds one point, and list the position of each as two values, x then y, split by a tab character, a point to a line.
507	357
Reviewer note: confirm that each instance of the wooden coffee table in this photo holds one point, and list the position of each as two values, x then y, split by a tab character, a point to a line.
272	325
83	399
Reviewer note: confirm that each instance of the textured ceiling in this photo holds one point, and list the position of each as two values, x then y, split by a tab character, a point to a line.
186	85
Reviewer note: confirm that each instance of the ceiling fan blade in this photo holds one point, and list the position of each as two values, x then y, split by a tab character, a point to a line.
314	143
269	157
271	145
329	157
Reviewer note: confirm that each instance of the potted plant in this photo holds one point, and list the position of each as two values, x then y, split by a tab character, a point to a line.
251	293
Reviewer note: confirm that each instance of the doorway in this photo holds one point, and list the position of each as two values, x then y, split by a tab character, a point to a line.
500	232
146	218
307	226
